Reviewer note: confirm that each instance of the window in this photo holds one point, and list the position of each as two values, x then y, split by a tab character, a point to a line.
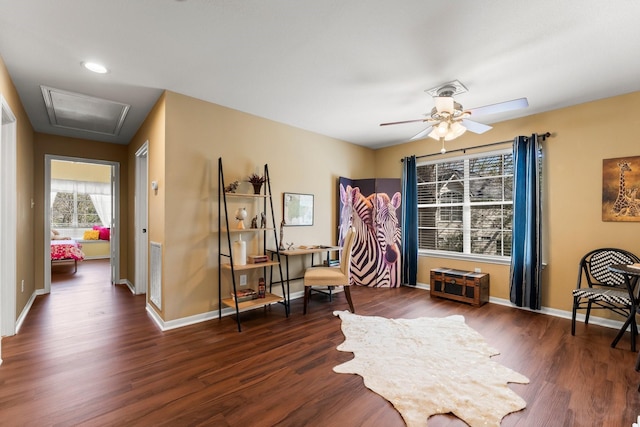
73	210
79	205
465	204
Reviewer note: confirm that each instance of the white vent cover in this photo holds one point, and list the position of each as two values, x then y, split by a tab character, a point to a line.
82	112
155	282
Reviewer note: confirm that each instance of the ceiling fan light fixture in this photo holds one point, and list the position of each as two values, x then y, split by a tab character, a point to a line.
443	128
444	104
456	130
447	131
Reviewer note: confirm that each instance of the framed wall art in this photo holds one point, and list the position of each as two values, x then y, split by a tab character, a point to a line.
298	209
621	189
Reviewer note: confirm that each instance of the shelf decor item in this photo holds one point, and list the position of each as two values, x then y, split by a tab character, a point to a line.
239	252
256	259
241	215
257	181
231	188
244	295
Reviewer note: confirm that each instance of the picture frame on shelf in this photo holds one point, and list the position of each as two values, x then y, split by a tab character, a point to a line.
297	209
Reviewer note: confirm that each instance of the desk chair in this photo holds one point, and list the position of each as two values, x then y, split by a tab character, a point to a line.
604	289
638	359
332	276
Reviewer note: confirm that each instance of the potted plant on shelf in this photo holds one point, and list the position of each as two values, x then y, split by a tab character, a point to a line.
257	181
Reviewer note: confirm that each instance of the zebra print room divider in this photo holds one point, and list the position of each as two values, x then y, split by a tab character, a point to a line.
366	205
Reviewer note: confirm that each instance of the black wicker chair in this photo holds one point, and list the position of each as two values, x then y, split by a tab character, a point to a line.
604	289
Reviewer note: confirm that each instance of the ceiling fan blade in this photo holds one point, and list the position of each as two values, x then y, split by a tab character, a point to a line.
422	133
475	127
500	107
405	121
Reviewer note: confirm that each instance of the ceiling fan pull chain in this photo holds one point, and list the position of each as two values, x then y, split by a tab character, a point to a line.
442	150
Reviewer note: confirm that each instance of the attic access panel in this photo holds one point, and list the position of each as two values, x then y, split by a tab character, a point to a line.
82	112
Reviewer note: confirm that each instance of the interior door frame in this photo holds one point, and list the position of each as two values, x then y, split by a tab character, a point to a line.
8	220
141	209
115	219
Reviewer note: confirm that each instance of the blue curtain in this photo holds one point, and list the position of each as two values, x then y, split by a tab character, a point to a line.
526	248
409	222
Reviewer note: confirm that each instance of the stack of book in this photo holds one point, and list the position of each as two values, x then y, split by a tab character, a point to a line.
332	263
244	295
255	259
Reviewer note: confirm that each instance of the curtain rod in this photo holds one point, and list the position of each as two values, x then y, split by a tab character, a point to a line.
541	136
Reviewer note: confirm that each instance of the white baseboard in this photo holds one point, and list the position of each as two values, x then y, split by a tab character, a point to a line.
593	320
186	321
128	284
423	286
203	317
25	311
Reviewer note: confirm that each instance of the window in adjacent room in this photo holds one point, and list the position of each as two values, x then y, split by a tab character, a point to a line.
73	210
79	205
465	204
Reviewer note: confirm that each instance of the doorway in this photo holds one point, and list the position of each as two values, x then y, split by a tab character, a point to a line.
8	221
141	219
86	194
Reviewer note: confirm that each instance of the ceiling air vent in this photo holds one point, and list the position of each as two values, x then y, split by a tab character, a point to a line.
81	112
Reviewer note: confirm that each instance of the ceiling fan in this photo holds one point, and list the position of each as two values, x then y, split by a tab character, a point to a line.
448	120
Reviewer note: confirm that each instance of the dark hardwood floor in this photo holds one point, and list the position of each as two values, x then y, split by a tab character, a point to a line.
88	354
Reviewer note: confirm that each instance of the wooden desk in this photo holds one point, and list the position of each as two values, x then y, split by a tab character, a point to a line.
631	276
308	250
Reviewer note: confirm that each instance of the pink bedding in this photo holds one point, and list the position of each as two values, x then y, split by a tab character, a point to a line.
66	249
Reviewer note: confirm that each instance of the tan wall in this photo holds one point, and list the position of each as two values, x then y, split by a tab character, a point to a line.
197	134
84	149
583	136
153	132
25	191
80	171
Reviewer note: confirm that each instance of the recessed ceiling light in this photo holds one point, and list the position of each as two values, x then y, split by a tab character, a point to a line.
95	67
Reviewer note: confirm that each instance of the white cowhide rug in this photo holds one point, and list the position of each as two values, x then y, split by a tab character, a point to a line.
430	366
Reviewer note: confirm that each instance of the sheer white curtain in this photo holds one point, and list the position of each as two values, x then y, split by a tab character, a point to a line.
102	204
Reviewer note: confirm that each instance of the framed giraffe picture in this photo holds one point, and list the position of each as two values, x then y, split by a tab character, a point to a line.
621	189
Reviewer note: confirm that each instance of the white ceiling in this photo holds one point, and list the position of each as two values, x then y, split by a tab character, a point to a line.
335	67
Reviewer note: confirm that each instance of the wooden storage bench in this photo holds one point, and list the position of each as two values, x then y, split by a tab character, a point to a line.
460	285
